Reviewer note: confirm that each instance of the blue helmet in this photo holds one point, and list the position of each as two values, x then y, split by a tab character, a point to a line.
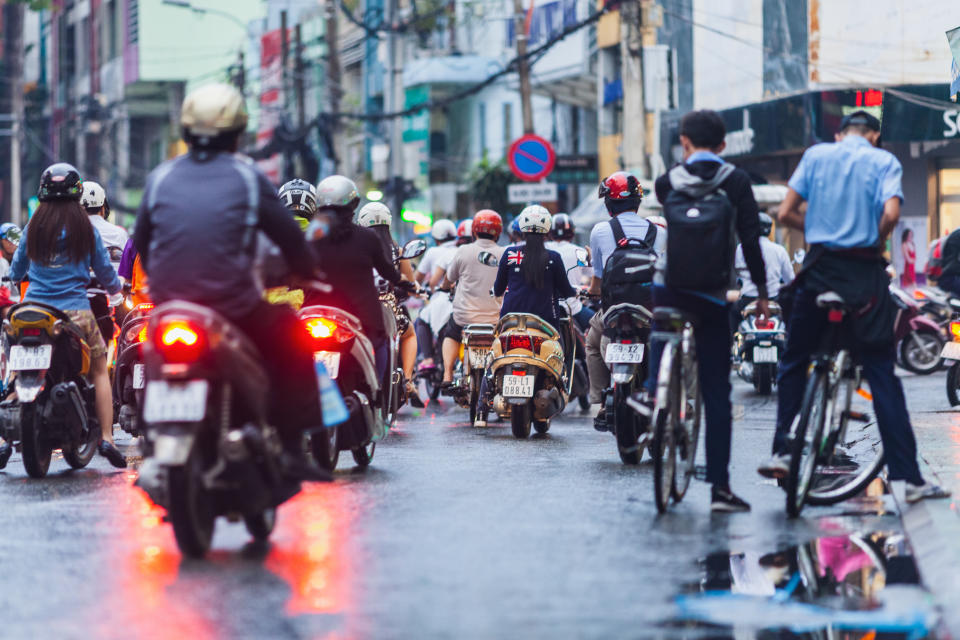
515	228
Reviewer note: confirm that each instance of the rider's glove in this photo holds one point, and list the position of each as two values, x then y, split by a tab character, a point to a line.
116	300
409	287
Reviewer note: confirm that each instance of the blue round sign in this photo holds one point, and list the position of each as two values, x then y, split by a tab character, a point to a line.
531	158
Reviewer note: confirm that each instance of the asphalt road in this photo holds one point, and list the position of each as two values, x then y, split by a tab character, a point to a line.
456	532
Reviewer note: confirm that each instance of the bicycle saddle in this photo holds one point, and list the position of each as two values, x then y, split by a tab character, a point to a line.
831	300
672	318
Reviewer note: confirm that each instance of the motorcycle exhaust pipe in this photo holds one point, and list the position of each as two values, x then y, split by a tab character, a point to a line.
67	401
547	403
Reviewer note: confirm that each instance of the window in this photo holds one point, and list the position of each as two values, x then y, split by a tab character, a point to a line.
507	126
133	22
949	200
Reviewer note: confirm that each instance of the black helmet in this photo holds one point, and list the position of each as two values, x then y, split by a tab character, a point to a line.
300	197
60	181
766	224
562	227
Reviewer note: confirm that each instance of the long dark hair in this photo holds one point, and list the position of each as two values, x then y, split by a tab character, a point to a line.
534	260
58	218
386	239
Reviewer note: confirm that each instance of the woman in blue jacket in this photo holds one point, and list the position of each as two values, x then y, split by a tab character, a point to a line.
58	250
531	278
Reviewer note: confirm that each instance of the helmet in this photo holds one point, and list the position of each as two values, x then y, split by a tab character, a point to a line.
374	214
535	219
11	233
562	227
621	186
766	224
213	109
660	221
93	195
515	228
60	181
489	222
465	229
443	230
337	192
300	197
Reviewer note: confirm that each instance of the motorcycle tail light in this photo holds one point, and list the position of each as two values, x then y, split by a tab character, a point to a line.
509	343
31	332
919	295
835	315
144	306
955	330
764	325
326	329
179	341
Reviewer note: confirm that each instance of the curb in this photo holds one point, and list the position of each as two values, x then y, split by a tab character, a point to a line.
933	529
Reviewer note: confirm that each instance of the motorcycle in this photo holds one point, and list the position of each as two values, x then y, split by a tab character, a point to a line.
919	339
576	355
348	357
129	371
435	314
54	406
759	346
209	450
951	354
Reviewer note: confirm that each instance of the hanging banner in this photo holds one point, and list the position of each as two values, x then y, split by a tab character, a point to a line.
271	100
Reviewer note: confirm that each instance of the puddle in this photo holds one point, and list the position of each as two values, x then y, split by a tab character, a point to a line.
862	587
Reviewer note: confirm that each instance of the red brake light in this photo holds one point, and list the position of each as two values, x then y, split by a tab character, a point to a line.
179	332
919	295
178	341
764	325
31	332
835	315
325	329
509	343
144	306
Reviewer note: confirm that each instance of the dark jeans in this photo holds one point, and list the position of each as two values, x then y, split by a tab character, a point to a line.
425	342
381	355
950	283
583	318
288	359
807	325
712	335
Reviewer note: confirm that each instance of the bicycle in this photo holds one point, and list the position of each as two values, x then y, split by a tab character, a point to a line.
848	459
678	414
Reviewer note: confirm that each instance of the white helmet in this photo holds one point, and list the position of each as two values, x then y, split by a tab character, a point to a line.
213	109
535	219
374	214
337	192
93	195
444	230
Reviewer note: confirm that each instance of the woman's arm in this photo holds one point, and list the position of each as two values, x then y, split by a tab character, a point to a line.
20	263
500	285
406	270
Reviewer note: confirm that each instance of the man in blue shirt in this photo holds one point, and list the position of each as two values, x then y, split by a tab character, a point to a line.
853	199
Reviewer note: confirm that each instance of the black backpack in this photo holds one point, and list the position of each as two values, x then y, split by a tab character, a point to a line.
701	242
628	272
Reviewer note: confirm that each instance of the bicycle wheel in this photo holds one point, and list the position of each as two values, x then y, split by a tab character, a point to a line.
807	441
688	427
665	427
856	455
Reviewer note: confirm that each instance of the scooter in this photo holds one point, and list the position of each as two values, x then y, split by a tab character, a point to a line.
919	339
54	406
759	346
129	376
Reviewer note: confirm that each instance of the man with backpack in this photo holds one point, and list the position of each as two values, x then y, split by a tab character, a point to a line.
625	250
707	203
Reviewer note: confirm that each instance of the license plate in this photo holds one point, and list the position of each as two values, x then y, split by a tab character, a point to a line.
331	360
764	354
951	351
138	376
30	358
478	358
518	386
175	401
624	353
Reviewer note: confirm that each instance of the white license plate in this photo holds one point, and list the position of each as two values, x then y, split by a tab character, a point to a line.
518	386
330	360
30	358
478	358
175	401
951	351
764	354
624	353
138	376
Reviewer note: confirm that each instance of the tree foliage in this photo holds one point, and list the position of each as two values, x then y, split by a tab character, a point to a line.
488	185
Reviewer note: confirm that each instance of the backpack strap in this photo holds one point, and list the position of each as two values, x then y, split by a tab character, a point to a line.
651	235
619	237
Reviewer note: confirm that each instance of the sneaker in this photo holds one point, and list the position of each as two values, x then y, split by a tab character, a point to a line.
600	421
480	423
6	449
724	500
109	451
925	491
777	467
642	404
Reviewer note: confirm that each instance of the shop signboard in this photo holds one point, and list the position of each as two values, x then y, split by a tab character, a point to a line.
575	169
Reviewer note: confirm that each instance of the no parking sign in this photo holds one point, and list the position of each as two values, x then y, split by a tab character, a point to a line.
531	158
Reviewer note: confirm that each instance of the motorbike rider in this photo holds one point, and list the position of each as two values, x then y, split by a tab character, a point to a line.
377	217
434	261
776	260
300	198
94	200
622	195
444	233
59	249
531	277
472	302
196	233
9	241
464	232
515	234
349	254
562	234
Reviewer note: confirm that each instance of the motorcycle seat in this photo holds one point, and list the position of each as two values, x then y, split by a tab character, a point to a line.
671	318
832	300
751	309
526	321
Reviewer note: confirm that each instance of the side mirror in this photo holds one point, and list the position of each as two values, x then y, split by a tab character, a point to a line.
487	258
413	249
799	256
583	258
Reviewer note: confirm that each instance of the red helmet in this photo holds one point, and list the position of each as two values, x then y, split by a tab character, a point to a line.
621	186
465	229
489	222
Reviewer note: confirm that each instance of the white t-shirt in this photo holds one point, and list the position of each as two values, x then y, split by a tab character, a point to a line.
602	242
111	234
438	256
472	302
778	267
578	276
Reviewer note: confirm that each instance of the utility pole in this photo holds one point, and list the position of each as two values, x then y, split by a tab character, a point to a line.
333	76
285	85
523	69
634	143
298	76
13	50
242	72
393	103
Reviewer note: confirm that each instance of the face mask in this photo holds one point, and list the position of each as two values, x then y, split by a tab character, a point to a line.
317	229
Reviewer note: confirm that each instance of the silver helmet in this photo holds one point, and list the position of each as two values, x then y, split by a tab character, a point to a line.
337	192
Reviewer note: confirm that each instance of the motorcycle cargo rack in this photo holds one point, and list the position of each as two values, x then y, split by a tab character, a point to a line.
478	335
527	321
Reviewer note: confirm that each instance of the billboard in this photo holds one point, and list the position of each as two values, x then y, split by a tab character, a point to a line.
271	100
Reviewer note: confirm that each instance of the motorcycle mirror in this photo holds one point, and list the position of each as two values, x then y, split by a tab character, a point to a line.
583	258
487	258
799	256
413	249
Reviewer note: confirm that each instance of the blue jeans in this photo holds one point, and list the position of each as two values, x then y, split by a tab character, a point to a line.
807	325
712	335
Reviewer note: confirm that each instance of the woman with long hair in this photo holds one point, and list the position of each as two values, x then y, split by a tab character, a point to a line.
531	278
58	250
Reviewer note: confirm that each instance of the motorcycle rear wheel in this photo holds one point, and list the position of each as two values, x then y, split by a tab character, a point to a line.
323	446
474	394
36	450
190	513
364	455
520	420
763	377
261	525
80	456
625	427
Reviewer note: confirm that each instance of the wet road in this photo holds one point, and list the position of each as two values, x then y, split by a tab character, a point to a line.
461	533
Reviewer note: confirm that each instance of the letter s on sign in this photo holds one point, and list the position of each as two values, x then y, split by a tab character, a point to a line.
950	119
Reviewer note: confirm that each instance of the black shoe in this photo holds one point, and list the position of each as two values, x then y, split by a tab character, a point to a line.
112	454
294	466
6	450
446	388
723	499
413	396
600	421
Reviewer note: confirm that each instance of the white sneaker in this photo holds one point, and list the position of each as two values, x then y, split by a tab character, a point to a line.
776	467
478	423
925	491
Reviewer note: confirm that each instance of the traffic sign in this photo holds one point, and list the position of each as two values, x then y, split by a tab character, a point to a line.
531	158
539	192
